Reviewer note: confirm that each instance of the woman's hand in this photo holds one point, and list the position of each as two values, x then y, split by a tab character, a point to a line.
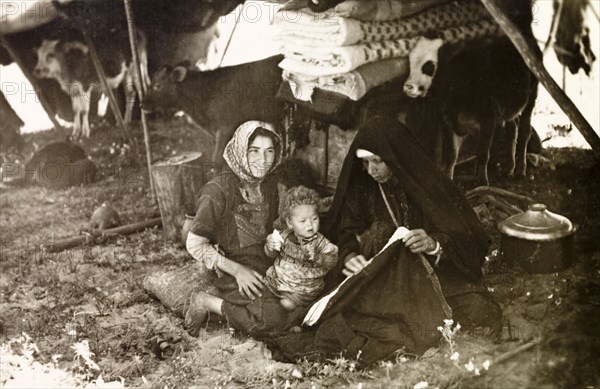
417	241
354	264
250	283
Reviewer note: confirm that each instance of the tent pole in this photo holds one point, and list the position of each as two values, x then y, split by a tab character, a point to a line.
139	83
105	87
19	61
537	68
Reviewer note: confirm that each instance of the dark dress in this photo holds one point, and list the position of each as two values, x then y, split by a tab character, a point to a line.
240	229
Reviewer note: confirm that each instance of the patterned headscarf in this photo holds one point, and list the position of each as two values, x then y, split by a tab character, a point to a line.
236	151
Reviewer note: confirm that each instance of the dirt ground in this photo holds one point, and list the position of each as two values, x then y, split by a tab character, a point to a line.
91	296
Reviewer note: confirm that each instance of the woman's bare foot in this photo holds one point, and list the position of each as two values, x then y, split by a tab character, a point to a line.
196	313
287	304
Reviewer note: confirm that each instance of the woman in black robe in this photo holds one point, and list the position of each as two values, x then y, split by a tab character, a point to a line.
434	273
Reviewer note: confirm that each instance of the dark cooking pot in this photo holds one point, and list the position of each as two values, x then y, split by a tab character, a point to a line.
538	240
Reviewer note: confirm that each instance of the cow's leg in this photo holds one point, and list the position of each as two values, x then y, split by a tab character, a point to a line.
76	104
129	95
486	136
455	143
524	133
85	111
146	81
510	129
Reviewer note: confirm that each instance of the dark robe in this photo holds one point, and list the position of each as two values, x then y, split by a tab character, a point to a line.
392	303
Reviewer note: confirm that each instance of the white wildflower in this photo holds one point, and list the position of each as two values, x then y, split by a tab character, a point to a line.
486	364
455	356
470	366
448	322
421	385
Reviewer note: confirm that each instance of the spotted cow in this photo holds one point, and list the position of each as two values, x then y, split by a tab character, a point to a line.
70	64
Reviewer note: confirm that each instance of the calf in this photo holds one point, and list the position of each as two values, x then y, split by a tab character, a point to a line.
70	64
222	99
477	91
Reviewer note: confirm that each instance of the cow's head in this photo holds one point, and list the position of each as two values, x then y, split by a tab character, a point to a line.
164	91
423	60
51	57
48	65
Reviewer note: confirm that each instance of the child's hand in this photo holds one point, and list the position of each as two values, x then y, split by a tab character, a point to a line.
274	241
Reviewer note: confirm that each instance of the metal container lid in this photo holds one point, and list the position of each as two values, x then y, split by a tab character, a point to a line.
537	223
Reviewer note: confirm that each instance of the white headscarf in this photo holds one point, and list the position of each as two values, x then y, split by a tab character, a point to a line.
236	151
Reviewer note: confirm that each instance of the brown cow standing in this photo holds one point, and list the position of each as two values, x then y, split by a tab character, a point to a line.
222	99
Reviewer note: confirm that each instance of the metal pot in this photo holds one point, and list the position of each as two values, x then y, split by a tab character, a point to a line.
538	240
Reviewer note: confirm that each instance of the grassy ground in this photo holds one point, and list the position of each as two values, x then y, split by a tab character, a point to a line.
93	293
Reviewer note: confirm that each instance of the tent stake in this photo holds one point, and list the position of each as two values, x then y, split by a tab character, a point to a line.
19	61
537	68
139	83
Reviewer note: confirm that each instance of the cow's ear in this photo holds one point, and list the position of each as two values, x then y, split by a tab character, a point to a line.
178	74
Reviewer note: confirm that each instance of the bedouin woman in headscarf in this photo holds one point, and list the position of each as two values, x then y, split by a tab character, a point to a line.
236	211
433	273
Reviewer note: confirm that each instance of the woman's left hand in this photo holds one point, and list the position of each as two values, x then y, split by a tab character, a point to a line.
417	241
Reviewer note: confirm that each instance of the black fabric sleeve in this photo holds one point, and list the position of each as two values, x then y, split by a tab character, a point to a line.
353	222
211	209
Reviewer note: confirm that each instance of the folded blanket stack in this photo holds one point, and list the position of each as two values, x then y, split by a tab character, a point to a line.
361	44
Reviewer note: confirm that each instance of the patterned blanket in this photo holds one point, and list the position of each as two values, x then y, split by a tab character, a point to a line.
317	61
307	29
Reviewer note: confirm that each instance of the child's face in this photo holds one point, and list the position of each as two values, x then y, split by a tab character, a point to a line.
304	220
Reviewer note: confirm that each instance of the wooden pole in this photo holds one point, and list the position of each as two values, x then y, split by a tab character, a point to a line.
105	87
19	61
140	87
98	236
536	66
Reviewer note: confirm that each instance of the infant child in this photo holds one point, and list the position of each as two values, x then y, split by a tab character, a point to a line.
303	255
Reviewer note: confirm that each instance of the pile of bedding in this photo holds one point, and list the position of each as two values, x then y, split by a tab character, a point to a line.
359	45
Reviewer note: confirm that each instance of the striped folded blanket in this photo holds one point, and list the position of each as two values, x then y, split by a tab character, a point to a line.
317	61
309	29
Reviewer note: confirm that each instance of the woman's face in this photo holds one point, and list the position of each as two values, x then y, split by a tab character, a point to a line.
261	154
376	168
